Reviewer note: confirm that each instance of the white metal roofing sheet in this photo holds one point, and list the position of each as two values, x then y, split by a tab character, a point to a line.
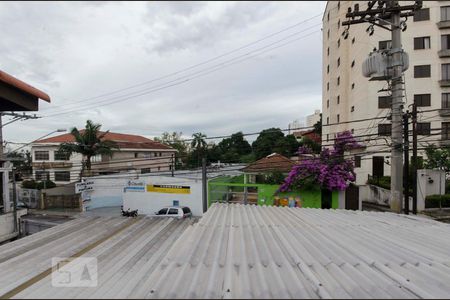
244	251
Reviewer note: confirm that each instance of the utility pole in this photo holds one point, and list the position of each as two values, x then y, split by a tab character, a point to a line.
173	165
406	164
414	157
387	16
204	185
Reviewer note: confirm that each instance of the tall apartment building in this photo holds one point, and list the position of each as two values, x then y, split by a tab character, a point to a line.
348	96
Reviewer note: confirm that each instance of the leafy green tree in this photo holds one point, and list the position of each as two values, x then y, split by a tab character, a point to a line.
175	141
437	158
234	147
267	142
89	142
22	162
199	145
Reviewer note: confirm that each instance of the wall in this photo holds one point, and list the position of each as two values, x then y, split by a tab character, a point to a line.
380	196
150	202
426	188
266	193
7	224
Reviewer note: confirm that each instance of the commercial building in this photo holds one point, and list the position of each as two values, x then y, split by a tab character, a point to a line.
135	152
235	251
348	96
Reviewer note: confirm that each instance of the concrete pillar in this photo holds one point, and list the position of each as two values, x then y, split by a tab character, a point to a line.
4	173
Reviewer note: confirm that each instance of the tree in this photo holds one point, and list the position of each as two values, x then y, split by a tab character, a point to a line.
234	147
175	141
267	141
22	163
330	170
199	144
437	158
89	142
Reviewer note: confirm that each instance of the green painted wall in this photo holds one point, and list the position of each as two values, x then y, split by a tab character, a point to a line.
311	198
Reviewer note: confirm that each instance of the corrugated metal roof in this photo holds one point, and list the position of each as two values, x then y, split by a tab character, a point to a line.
238	251
243	251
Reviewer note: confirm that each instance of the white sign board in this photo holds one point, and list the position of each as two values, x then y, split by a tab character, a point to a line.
135	186
84	186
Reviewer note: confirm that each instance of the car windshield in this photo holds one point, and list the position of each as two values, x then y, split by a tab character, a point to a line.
162	211
186	210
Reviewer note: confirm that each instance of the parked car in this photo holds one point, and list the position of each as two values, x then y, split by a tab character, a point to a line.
21	204
174	211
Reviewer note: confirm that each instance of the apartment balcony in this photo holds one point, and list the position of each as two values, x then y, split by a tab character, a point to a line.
443	24
51	165
444	83
444	112
444	53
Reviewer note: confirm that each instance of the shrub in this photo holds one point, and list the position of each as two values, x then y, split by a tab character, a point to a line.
48	185
384	182
29	184
437	201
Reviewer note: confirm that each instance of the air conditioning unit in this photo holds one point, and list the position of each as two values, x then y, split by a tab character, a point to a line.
378	66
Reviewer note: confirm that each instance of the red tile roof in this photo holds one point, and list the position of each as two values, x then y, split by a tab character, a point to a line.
272	162
24	87
129	141
309	134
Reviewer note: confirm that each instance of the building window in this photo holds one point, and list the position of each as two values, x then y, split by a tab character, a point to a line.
445	100
41	155
423	128
338	99
384	102
328	69
446	130
42	175
353	130
445	13
155	154
328	34
353	86
328	16
357	161
339	80
422	99
328	51
159	168
445	68
62	176
145	170
339	62
328	120
135	155
353	64
328	86
353	40
339	5
422	15
328	103
422	43
328	138
160	154
61	156
352	109
339	24
422	71
383	45
384	129
339	43
445	41
337	118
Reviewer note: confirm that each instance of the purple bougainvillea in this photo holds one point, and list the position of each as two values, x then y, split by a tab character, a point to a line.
330	170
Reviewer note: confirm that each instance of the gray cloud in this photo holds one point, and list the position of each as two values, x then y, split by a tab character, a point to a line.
75	51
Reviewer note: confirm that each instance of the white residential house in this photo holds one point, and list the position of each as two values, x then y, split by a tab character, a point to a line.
135	153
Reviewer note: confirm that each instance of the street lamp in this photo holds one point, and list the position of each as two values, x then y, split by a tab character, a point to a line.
54	131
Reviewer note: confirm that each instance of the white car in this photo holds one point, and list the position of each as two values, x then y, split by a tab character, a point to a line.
174	211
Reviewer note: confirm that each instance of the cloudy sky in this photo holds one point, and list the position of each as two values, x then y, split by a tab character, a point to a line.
149	67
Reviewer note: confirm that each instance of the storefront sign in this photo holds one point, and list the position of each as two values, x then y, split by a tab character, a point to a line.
168	189
135	186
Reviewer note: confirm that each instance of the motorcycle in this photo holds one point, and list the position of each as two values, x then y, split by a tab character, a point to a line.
128	213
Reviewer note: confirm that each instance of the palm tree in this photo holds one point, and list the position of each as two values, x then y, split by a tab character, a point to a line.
89	142
199	143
